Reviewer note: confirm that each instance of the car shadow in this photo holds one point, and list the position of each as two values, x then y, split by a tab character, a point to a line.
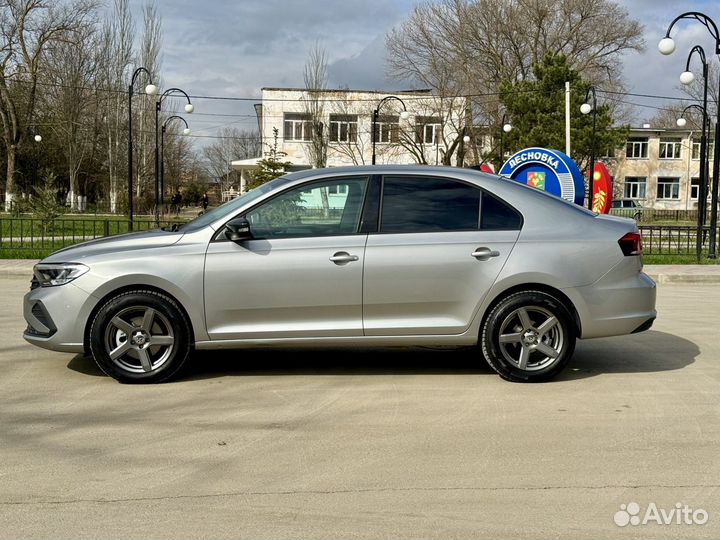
647	352
651	351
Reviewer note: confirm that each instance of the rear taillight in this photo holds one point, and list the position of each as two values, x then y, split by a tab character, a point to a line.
631	244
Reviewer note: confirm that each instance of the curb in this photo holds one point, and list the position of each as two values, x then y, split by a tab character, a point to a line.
17	268
684	279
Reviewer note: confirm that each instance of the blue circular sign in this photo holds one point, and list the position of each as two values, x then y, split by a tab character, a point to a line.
548	170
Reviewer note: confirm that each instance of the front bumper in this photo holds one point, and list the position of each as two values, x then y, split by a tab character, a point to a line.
56	317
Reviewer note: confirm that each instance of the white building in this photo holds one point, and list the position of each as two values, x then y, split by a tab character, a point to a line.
412	126
660	168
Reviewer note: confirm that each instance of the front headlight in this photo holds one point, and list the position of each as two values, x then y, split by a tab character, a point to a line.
50	275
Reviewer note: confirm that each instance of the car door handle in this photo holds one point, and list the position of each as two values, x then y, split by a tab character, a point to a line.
343	257
483	253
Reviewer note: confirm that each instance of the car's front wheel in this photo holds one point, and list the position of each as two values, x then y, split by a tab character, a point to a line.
140	337
528	336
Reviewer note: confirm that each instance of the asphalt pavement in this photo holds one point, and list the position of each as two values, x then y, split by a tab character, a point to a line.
415	443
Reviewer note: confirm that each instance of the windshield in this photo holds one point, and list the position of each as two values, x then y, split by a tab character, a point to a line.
231	206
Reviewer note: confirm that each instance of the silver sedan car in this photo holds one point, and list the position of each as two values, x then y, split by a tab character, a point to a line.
358	256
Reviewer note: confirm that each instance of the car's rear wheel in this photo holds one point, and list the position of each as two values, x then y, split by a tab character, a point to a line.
140	337
528	336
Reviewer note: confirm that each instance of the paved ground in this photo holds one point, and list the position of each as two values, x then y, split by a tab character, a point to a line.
420	443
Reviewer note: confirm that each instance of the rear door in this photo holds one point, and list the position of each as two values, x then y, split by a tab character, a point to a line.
438	247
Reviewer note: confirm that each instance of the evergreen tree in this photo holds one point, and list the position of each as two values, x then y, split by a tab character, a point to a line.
269	167
536	110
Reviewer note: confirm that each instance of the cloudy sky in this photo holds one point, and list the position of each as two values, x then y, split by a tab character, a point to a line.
232	48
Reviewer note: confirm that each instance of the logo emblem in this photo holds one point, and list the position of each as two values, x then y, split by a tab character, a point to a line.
536	179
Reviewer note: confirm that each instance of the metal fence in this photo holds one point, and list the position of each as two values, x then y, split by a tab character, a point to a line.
673	239
650	215
36	235
19	235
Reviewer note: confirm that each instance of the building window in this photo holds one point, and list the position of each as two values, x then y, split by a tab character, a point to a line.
338	189
297	127
428	130
668	188
635	187
694	188
343	128
696	150
388	129
637	148
670	148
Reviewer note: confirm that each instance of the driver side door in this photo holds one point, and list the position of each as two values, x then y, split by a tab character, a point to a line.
301	273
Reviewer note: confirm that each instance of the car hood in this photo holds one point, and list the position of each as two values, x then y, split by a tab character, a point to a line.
113	244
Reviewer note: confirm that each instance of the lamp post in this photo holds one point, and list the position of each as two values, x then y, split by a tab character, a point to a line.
376	115
587	108
186	131
158	106
686	78
704	166
667	46
506	128
150	90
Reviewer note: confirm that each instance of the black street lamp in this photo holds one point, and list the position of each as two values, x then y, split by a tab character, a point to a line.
158	106
506	128
704	167
186	131
667	46
687	77
150	90
376	115
587	108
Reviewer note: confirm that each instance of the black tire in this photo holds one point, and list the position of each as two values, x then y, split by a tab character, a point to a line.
534	326
159	345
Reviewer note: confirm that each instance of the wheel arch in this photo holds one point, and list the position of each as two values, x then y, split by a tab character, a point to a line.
552	291
130	288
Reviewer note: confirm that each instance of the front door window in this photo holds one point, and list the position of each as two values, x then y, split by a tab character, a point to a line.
328	208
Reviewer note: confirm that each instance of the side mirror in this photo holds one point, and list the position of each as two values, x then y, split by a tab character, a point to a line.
238	229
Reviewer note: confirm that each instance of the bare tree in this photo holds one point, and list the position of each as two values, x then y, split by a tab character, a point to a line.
178	156
502	39
72	69
233	144
117	40
315	78
150	59
27	29
468	47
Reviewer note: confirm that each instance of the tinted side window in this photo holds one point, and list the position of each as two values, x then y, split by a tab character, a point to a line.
495	215
413	204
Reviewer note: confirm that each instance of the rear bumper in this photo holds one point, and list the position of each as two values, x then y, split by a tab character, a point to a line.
621	302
